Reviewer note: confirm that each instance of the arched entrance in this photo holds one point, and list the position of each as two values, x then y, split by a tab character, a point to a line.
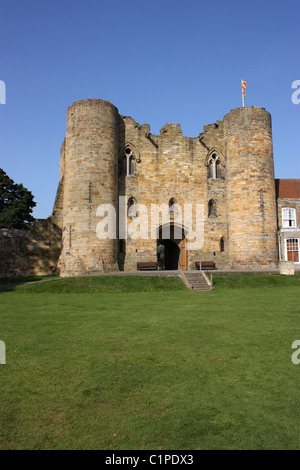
171	248
168	254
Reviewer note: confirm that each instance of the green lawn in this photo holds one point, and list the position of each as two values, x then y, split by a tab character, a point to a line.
143	363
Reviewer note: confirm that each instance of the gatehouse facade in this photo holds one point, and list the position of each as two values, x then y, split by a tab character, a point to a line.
127	196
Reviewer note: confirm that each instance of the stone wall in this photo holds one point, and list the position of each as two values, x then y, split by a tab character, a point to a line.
250	195
171	165
166	166
89	180
32	252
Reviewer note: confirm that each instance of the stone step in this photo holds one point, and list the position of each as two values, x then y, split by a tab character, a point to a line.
196	281
195	277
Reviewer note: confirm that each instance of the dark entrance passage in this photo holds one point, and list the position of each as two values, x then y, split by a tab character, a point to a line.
171	247
168	254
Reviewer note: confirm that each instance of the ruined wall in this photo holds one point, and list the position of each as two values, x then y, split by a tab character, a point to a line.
32	252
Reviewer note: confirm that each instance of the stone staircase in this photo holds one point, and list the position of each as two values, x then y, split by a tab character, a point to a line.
196	280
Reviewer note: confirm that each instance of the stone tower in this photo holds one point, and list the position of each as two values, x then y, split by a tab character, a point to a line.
90	179
250	187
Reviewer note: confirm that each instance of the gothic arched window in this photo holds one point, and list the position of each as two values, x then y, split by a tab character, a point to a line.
128	162
213	166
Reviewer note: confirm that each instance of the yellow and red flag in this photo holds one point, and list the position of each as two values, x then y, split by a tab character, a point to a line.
244	84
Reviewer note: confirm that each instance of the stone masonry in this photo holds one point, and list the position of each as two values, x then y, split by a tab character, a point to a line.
32	252
228	170
115	174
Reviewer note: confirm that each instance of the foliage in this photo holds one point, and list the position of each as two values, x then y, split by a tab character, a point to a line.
16	204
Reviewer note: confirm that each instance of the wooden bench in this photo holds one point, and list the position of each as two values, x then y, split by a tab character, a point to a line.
147	265
205	265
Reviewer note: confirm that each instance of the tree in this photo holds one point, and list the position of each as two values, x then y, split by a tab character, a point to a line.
16	204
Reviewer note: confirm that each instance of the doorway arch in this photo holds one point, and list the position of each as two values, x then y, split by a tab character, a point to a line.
171	247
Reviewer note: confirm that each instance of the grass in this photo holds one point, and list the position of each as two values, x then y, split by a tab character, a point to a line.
143	363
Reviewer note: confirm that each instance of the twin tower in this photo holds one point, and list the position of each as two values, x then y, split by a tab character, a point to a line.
228	170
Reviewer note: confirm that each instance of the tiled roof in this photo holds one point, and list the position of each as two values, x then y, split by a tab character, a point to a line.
289	188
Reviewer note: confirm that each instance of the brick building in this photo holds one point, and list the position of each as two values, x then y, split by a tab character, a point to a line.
127	196
288	203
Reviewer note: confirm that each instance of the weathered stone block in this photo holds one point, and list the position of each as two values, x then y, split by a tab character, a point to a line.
287	268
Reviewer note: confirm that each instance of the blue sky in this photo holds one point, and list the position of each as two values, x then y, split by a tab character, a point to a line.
159	61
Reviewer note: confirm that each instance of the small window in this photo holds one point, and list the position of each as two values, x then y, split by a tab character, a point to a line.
131	207
172	203
288	217
292	249
212	208
211	169
222	245
131	165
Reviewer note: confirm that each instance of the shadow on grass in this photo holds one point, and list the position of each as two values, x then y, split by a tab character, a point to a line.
97	284
8	284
